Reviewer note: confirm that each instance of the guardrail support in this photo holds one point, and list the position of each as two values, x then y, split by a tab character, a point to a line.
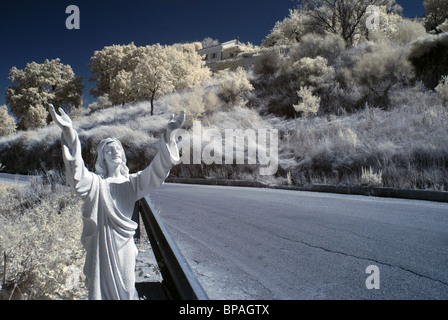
178	278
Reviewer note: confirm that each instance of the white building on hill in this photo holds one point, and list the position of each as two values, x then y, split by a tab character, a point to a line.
222	51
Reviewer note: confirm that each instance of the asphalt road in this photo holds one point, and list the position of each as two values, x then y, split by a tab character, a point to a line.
15	178
247	243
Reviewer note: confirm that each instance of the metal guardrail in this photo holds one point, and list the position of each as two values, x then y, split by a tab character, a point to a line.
178	278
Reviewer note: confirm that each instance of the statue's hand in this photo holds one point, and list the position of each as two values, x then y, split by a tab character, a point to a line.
175	124
63	120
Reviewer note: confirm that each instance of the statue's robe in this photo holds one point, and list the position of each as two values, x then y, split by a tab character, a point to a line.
108	228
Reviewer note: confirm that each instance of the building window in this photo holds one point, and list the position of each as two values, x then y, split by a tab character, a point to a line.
214	55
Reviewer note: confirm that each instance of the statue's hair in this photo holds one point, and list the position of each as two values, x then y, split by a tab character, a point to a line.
100	165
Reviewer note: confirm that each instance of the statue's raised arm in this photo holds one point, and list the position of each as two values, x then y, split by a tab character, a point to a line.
174	124
64	122
78	176
155	174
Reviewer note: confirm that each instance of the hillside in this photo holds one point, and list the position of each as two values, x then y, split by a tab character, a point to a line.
373	113
405	146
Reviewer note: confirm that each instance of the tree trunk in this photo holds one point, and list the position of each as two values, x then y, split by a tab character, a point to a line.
152	103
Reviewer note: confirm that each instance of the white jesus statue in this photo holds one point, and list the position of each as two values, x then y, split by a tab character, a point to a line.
109	197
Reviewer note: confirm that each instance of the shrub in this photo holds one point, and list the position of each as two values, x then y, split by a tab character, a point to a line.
278	92
371	178
349	136
313	45
7	122
429	56
436	11
234	85
313	72
308	103
102	102
40	229
379	70
268	63
408	143
408	31
443	27
192	101
442	88
198	102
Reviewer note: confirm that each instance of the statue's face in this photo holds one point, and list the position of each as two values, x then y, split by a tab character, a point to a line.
112	153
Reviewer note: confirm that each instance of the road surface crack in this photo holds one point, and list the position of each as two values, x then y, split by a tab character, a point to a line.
364	258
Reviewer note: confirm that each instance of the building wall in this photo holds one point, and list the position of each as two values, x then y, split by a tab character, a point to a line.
226	50
213	54
228	55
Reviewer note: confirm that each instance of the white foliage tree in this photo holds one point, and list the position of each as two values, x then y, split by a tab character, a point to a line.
7	122
346	18
35	117
289	30
128	73
187	66
163	69
152	77
394	27
110	62
408	31
37	86
120	88
209	42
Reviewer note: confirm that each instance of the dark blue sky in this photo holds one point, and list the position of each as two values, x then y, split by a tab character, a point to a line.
35	30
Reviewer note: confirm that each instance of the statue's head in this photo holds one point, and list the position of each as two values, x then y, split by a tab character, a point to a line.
110	152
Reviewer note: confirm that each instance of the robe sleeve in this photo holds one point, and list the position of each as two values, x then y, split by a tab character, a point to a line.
78	176
155	174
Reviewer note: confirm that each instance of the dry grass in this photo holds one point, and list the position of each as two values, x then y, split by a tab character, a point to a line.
408	144
42	256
